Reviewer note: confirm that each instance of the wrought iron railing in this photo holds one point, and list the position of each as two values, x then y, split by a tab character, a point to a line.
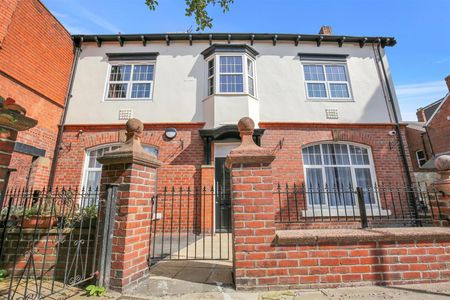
367	206
49	240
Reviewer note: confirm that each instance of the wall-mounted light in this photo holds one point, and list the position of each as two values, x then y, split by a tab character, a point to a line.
170	133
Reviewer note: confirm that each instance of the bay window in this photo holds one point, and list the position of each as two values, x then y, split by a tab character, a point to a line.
234	74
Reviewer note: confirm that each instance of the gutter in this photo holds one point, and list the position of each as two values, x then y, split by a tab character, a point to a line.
396	119
51	179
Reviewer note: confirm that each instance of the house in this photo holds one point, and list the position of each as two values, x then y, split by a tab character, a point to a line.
36	55
324	104
429	137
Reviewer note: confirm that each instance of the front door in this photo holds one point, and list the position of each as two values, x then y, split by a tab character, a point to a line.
223	199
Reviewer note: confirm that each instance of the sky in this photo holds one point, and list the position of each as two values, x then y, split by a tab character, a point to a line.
419	62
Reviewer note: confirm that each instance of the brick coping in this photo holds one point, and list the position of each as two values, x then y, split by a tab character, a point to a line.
319	236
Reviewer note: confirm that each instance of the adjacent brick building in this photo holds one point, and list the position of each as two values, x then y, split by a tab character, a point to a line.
429	137
36	56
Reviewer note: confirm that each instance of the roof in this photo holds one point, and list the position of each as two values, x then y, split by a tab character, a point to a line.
442	101
430	108
192	37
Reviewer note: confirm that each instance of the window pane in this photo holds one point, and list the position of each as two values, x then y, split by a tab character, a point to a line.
339	90
120	73
211	67
335	154
339	181
364	180
251	89
336	73
359	155
317	90
314	72
143	73
93	179
141	90
117	90
231	84
311	155
211	86
250	67
231	64
150	150
314	186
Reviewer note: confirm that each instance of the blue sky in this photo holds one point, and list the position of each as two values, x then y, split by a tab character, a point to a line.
419	62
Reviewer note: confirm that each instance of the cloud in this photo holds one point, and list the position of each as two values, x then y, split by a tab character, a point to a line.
444	60
78	19
420	89
99	21
413	96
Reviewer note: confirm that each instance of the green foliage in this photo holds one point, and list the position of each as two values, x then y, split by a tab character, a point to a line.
95	290
3	274
198	8
89	211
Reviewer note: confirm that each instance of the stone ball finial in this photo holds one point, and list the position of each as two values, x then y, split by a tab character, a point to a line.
246	124
442	163
134	126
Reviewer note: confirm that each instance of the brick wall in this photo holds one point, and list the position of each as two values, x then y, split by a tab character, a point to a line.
439	129
42	136
417	140
36	56
181	157
36	49
288	163
342	264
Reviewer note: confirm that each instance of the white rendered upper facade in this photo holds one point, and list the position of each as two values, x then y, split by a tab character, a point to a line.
219	78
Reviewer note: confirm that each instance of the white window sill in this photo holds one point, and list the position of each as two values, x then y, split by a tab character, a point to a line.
341	212
230	95
329	100
158	216
127	99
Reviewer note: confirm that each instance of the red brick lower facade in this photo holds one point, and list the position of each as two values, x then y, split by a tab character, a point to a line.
183	157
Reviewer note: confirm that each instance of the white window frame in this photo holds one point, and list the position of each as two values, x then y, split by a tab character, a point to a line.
129	82
327	82
418	159
217	73
342	210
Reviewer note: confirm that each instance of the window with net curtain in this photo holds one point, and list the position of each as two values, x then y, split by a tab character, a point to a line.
93	169
333	170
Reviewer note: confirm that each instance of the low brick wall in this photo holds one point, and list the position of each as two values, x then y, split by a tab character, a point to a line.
347	257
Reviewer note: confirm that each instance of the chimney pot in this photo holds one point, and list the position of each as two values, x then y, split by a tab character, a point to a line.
447	80
326	30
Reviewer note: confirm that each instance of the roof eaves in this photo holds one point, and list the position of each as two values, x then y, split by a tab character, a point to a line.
229	37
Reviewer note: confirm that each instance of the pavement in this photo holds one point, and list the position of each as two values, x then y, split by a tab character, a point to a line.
212	280
434	291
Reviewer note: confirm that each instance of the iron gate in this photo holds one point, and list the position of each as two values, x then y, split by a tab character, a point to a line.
191	224
49	241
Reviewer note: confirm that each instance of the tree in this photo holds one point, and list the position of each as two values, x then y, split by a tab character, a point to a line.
198	8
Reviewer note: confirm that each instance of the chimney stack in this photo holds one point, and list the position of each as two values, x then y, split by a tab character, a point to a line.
327	30
447	80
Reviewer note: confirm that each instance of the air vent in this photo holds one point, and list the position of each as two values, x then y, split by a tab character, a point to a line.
125	114
331	113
